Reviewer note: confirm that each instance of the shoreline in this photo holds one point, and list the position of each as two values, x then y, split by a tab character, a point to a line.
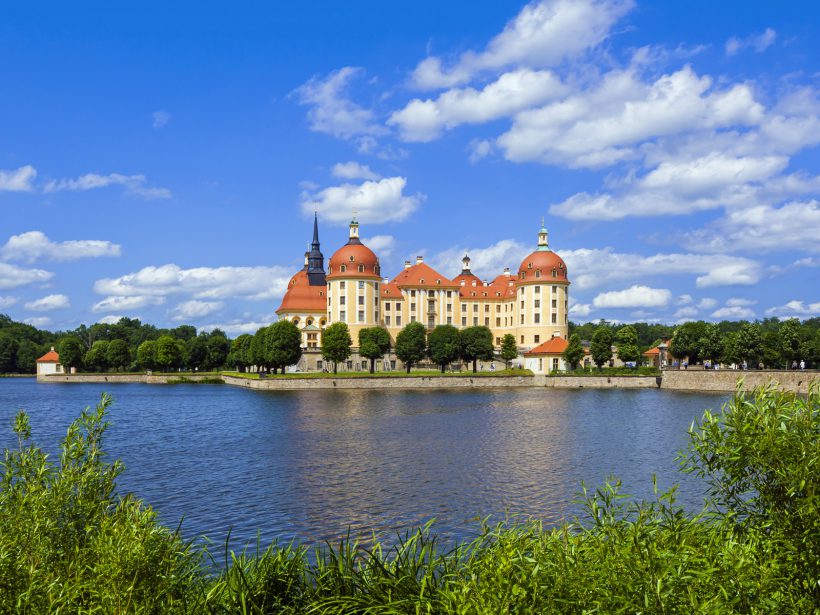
674	380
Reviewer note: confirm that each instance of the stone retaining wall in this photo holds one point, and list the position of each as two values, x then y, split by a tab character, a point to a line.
725	380
423	382
122	378
602	382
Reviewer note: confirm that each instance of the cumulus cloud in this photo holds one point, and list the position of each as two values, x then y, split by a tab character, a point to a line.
758	42
353	170
796	308
707	303
48	303
38	321
740	302
684	299
580	309
110	319
585	270
12	276
194	309
733	313
151	285
133	184
686	312
381	244
160	119
480	149
34	245
18	180
632	297
486	262
543	34
7	302
240	327
373	201
425	120
331	111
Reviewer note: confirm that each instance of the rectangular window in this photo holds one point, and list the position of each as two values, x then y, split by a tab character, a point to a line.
554	318
412	307
554	289
463	307
463	321
412	319
497	307
449	320
361	299
412	293
376	286
537	290
498	341
486	322
522	320
350	365
537	318
318	365
361	284
431	293
486	308
555	303
449	307
342	300
497	322
387	320
522	339
342	316
538	303
475	321
341	285
376	301
536	339
387	307
522	305
361	315
449	294
398	320
475	307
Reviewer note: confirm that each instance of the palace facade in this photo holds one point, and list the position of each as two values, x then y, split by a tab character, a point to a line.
531	303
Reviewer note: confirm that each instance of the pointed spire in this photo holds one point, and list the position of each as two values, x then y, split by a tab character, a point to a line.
354	230
315	258
315	243
465	262
543	238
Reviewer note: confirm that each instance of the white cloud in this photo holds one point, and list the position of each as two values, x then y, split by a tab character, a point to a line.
425	120
238	328
19	180
110	319
795	308
38	321
684	300
580	309
480	149
193	309
7	302
739	302
160	119
585	270
352	170
253	283
686	312
382	245
12	276
134	184
543	34
331	111
733	313
373	201
48	303
634	296
759	42
132	302
34	245
487	262
707	303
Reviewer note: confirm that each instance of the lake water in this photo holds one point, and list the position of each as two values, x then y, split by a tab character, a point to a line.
312	465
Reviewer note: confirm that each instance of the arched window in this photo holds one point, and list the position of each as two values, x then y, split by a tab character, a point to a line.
538	274
361	268
352	258
529	265
309	322
554	273
343	268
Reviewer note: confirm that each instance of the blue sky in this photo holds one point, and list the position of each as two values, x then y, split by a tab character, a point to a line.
163	160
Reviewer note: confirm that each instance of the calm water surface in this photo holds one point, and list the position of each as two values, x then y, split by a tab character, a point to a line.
311	464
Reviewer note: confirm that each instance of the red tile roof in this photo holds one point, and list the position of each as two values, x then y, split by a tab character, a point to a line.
556	345
50	357
422	275
302	297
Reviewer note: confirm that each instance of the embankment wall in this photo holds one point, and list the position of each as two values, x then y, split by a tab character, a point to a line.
726	380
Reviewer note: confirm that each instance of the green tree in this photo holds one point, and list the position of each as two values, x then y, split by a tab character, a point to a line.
790	341
710	345
509	349
476	345
601	346
238	357
627	342
374	343
197	352
27	354
750	343
147	354
686	341
283	345
96	359
731	350
258	355
444	345
8	353
336	344
574	351
118	356
168	353
71	351
411	344
218	348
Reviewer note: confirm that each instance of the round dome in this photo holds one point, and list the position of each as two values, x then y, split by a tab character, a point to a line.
302	297
542	266
354	260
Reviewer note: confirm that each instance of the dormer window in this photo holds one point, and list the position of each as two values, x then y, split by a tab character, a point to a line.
352	258
343	268
361	268
438	281
421	281
554	273
538	274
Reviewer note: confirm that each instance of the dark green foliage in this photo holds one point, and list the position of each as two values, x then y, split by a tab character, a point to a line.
686	341
118	356
336	344
147	355
627	341
239	355
750	344
444	345
8	353
790	341
96	359
374	343
509	349
71	351
168	353
411	344
283	345
601	347
574	351
27	354
710	345
476	345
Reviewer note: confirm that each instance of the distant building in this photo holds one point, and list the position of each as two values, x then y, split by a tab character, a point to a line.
547	357
659	355
49	364
532	304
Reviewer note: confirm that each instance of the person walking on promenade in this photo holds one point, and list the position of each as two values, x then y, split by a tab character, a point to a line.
802	365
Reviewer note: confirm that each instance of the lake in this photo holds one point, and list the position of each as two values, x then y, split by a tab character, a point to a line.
311	465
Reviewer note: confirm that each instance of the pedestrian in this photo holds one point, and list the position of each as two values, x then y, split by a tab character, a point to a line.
794	364
802	365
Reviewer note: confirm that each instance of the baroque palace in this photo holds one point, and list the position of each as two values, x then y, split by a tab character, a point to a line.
532	304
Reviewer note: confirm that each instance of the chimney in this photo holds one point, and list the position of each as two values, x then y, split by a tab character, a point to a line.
407	264
473	282
385	280
462	282
419	260
506	271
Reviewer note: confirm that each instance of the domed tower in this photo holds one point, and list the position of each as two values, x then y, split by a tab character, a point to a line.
542	296
353	277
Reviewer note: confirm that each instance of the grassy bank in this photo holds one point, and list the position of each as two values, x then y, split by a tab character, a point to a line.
610	371
393	374
69	544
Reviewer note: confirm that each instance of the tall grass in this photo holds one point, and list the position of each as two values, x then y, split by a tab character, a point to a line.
69	544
